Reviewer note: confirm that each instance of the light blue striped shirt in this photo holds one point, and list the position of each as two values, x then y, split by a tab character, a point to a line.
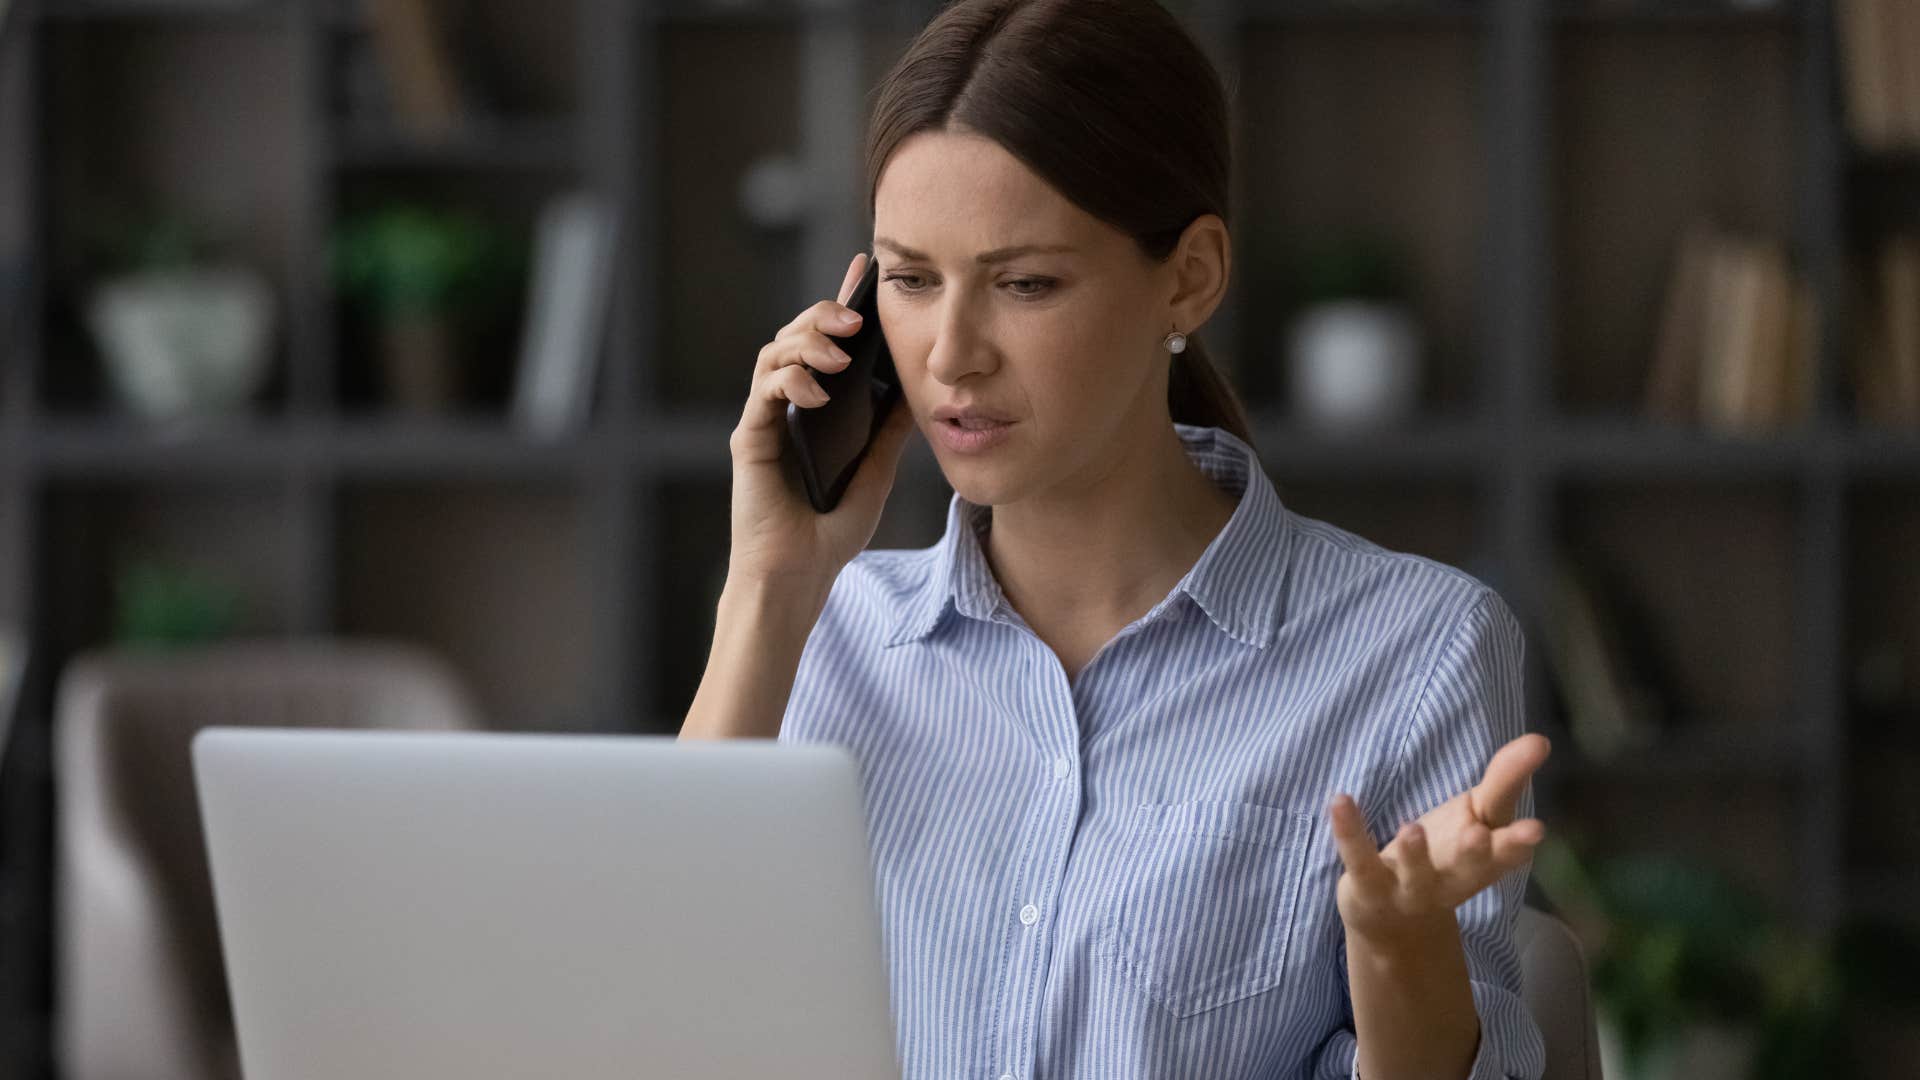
1131	873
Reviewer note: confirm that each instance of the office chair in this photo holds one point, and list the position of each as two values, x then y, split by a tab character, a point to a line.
140	981
1556	988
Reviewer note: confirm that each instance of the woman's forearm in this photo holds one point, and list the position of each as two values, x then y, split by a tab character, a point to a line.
1413	1010
759	633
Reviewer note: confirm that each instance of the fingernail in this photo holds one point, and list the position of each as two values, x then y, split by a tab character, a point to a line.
848	318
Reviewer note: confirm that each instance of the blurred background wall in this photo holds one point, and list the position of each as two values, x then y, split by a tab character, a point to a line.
429	319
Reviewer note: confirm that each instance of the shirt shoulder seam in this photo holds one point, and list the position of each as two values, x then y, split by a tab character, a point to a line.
1442	642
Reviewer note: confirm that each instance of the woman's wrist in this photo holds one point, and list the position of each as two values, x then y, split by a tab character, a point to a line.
1411	944
760	629
794	597
1412	1001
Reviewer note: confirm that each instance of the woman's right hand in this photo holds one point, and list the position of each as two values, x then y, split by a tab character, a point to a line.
778	537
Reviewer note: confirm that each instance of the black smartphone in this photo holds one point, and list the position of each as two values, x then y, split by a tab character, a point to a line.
829	442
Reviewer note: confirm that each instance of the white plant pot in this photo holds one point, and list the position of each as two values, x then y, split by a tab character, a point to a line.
1354	364
182	345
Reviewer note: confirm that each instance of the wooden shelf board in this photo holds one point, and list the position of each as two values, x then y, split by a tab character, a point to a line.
529	143
265	13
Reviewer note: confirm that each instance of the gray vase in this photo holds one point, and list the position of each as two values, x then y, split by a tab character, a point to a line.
184	345
1353	364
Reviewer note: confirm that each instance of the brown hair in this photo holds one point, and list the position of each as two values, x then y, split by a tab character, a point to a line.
1110	102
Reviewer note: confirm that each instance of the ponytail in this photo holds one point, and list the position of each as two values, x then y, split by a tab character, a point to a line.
1198	394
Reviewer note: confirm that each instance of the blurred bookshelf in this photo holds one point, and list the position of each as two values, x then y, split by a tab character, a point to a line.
1537	160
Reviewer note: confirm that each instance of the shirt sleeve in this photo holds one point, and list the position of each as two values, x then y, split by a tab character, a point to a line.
1471	704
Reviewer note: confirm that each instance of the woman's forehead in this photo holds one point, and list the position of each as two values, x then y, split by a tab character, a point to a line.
943	179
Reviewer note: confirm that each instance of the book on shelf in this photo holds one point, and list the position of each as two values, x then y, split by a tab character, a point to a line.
1878	41
1737	342
1605	670
421	76
1887	357
575	239
1672	386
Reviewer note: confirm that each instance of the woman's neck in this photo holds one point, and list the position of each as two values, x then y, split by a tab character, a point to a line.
1081	567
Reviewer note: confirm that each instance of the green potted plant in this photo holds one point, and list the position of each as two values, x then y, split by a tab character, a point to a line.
1693	976
163	605
417	273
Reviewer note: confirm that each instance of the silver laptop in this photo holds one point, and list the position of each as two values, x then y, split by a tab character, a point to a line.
470	905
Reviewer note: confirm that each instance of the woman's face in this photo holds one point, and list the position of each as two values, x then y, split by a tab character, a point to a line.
1066	344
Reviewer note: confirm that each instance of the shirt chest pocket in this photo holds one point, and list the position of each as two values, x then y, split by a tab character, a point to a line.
1203	913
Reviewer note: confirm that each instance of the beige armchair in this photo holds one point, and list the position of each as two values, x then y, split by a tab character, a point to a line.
1554	983
139	978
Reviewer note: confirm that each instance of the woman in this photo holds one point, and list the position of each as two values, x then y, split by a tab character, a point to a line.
1100	720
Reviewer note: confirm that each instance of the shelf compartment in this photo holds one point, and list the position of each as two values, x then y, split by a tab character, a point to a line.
1363	127
1650	130
1731	825
692	521
1701	579
1883	607
231	535
496	578
728	285
484	352
693	529
509	58
1435	519
222	152
1724	752
1881	827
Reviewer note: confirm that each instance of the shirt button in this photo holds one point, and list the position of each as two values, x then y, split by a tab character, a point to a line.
1029	914
1006	1076
1061	768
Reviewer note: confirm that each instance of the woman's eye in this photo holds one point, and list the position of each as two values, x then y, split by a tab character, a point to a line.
1025	288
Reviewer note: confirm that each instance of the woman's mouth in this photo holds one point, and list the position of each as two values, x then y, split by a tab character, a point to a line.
969	436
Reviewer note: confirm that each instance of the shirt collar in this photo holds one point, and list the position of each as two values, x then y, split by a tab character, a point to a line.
1236	582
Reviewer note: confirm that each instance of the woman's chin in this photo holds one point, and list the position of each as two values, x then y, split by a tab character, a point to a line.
977	482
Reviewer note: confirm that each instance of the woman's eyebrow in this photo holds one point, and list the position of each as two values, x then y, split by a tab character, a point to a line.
1001	254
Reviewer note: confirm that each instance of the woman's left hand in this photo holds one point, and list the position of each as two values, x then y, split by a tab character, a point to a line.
1434	865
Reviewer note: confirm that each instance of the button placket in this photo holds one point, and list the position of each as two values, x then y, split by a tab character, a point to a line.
1053	698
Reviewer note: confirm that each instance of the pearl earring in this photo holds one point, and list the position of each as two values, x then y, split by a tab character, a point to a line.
1176	342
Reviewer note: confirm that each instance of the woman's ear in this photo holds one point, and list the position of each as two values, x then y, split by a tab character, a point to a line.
1202	263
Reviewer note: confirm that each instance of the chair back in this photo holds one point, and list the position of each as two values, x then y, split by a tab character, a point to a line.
1558	993
140	981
